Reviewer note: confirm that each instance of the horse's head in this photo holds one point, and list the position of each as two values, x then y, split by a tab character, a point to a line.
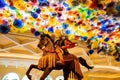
45	41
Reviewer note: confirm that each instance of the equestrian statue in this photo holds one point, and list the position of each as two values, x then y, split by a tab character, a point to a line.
56	57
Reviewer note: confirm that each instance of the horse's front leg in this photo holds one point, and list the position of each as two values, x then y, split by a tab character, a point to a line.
46	73
30	68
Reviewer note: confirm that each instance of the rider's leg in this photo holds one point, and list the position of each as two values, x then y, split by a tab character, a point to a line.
61	57
60	54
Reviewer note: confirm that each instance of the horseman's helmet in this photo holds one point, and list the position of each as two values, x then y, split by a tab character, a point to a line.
64	36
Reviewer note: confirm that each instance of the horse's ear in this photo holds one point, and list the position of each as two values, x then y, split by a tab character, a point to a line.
42	33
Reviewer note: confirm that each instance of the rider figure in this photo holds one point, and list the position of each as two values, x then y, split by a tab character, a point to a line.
62	45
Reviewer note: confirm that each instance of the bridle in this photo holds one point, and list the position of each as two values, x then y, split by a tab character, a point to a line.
46	42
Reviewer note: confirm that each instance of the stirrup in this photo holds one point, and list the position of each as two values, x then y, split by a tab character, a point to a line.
59	62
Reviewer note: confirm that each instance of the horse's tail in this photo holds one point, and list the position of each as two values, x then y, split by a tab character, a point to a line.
83	62
47	61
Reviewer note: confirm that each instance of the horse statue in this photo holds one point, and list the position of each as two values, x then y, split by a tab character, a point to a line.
48	61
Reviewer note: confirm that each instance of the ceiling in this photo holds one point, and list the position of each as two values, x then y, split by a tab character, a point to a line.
26	44
16	43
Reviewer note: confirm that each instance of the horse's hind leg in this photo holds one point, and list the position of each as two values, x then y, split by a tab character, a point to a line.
30	68
66	72
76	70
46	73
78	73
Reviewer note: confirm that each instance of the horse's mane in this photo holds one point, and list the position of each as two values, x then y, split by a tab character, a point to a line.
49	38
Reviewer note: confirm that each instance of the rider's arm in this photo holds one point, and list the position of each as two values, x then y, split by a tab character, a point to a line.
68	44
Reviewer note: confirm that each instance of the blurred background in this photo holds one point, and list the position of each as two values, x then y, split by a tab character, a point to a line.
93	24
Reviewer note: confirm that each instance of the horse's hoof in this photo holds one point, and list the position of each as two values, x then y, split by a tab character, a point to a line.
29	77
